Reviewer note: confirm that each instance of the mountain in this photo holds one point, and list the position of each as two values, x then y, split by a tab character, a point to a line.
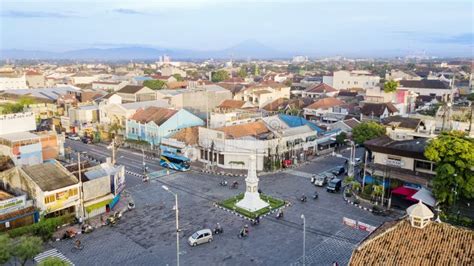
244	50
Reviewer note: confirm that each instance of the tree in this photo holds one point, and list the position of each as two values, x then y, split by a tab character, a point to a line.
390	86
5	249
53	261
27	248
341	138
178	77
352	183
154	84
453	154
470	97
219	75
288	82
367	131
148	71
242	72
114	128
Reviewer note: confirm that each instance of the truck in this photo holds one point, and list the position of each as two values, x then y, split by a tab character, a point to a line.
334	185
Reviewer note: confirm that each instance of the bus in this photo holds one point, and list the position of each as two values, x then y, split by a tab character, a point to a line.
174	161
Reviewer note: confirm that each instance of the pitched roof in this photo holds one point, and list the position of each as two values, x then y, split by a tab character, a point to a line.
50	176
177	85
244	130
326	103
276	105
402	244
413	148
347	93
351	122
156	114
189	135
402	122
130	89
321	88
297	121
231	104
377	109
424	83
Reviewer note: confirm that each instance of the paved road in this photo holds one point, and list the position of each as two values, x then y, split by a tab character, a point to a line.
146	235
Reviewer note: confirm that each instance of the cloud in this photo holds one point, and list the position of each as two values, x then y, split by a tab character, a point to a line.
33	14
128	11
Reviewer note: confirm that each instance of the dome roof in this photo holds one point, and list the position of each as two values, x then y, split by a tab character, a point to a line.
420	210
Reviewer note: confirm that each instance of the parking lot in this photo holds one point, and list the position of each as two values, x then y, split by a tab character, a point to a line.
146	235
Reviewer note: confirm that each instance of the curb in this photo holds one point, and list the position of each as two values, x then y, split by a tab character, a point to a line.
249	219
355	204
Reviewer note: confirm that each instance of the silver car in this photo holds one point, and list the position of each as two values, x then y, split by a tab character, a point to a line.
201	236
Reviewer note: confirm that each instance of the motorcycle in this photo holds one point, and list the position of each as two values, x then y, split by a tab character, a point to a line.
244	233
218	230
279	215
235	185
256	221
223	183
131	206
315	196
303	198
87	228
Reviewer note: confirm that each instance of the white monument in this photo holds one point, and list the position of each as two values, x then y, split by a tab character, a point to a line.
252	201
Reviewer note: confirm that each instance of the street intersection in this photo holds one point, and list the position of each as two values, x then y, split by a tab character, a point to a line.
146	235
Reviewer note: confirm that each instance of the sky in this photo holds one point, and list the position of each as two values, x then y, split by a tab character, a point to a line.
313	28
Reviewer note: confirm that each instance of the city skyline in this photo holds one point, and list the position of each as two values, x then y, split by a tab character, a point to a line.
318	28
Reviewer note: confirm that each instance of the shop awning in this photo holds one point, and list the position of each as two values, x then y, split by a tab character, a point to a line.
425	196
405	192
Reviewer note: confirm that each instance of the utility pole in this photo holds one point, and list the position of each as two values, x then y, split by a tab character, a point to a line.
81	187
304	239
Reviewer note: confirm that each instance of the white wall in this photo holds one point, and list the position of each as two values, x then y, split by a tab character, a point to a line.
20	122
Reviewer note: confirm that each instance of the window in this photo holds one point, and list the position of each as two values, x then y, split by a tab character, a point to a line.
72	192
221	158
49	199
422	165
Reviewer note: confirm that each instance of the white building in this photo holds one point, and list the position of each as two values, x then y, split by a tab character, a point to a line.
19	122
343	80
263	94
13	82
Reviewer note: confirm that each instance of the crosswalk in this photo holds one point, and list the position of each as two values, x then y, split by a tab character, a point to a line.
298	173
52	253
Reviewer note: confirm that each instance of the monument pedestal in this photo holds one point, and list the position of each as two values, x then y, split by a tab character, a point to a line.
252	201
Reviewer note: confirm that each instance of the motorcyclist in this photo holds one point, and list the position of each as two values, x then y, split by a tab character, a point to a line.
218	229
235	184
315	196
279	214
77	244
303	198
313	179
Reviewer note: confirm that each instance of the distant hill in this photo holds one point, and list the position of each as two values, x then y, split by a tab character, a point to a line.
244	50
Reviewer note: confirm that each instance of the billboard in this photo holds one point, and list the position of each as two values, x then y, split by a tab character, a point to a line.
13	204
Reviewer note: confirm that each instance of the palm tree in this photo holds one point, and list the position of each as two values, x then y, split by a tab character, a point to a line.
352	183
114	128
377	191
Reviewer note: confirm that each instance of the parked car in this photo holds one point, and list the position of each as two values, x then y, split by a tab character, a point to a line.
320	180
73	137
338	170
86	140
200	237
334	185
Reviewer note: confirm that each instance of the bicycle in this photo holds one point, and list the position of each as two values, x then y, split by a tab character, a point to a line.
75	248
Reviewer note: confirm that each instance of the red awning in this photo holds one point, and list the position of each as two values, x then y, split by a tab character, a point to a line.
404	191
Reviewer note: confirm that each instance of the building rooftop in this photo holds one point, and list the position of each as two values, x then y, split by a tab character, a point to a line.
321	88
413	148
231	104
402	122
244	130
51	94
50	176
156	114
351	122
297	121
5	195
189	135
144	104
377	109
130	89
424	83
19	136
326	103
403	244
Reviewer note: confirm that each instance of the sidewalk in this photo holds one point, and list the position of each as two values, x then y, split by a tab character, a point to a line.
99	220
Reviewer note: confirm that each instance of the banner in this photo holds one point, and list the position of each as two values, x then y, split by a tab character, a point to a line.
358	225
349	222
13	204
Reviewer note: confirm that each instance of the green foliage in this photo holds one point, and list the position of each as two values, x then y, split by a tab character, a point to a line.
470	97
453	153
352	183
178	77
219	75
53	261
148	71
367	131
341	138
27	248
274	204
432	110
5	249
154	84
288	82
44	229
390	86
114	128
242	72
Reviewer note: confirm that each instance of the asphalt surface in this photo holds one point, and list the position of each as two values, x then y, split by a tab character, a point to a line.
147	236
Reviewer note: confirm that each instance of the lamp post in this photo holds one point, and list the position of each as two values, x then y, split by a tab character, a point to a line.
177	222
81	195
304	239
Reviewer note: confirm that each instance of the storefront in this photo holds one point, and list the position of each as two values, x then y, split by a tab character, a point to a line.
98	206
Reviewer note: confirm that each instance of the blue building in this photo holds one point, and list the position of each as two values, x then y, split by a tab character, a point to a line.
153	123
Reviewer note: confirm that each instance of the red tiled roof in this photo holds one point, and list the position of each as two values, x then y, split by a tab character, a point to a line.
249	129
231	104
326	103
156	114
321	88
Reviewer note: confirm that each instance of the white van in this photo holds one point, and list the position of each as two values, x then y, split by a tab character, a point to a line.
201	236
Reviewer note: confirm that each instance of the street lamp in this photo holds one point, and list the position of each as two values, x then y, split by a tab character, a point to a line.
177	221
304	239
